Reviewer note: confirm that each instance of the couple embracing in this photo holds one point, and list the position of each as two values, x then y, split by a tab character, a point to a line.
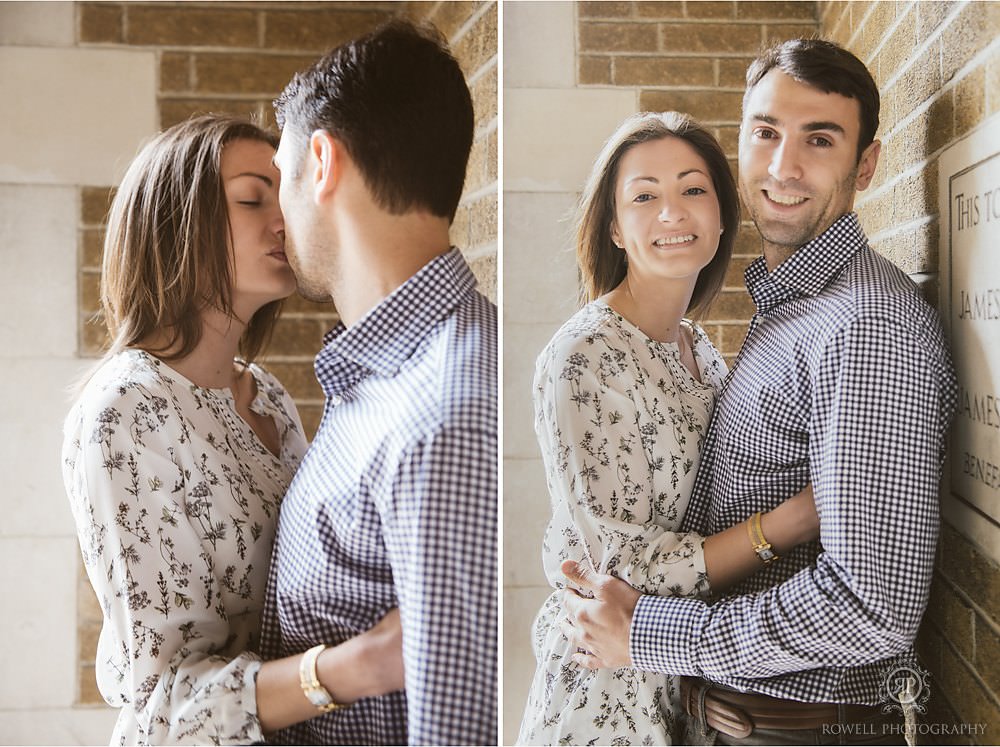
741	557
343	619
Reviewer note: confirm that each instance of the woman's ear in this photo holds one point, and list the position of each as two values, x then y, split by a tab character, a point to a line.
325	163
616	236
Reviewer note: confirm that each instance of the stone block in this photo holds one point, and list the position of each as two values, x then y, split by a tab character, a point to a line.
90	291
94	204
91	248
522	344
588	9
101	22
594	69
235	73
38	24
735	273
39	634
484	96
55	85
618	37
483	221
971	571
311	416
663	71
952	616
710	37
478	45
184	26
732	306
713	9
541	280
526	513
297	337
520	605
970	101
930	16
450	17
705	106
666	8
485	270
733	72
174	110
317	29
542	153
975	26
539	42
967	696
779	32
764	10
175	72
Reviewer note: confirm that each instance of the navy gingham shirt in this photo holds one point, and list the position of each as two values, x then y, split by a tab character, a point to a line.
844	381
395	504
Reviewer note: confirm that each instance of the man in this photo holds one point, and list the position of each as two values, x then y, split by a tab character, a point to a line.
844	381
395	503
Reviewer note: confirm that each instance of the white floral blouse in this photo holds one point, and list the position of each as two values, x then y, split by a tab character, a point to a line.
620	422
176	504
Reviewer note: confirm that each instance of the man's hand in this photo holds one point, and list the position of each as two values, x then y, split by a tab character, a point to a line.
598	625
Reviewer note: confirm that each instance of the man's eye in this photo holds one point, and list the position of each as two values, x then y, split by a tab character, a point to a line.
822	142
765	134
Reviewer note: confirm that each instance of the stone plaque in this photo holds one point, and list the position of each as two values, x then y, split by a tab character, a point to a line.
970	306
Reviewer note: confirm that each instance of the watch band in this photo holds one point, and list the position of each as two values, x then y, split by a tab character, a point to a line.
760	545
318	695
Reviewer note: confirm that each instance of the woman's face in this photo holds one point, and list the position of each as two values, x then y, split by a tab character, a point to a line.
666	211
261	271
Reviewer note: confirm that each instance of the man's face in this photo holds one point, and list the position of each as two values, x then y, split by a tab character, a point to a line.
799	169
308	251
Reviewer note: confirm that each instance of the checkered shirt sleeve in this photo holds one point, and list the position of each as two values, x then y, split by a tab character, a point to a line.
443	556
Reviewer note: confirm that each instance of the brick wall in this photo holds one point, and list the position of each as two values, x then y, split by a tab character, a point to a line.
691	56
235	57
938	69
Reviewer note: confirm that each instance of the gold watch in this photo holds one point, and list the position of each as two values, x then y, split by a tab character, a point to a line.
318	695
760	545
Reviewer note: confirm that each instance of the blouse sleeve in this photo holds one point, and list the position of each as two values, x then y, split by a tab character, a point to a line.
600	461
147	536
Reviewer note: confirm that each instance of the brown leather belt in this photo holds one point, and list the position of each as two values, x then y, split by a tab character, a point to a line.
738	714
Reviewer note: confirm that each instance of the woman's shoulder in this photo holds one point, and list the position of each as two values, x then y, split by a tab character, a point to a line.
127	379
591	325
713	366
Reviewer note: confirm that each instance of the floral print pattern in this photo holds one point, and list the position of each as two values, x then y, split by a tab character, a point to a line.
620	422
176	504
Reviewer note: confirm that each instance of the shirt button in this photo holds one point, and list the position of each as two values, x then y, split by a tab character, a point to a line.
336	399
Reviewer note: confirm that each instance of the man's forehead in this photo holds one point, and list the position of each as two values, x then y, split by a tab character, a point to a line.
783	100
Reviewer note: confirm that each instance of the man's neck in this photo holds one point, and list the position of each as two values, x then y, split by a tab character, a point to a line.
376	258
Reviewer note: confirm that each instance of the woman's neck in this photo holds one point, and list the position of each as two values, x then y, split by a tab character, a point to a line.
655	307
210	363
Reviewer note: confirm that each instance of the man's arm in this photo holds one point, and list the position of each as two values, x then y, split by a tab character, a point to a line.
440	529
875	446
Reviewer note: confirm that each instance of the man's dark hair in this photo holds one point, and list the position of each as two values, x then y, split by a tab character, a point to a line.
398	102
828	67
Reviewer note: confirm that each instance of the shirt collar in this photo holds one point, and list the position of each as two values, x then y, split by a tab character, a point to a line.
811	268
382	340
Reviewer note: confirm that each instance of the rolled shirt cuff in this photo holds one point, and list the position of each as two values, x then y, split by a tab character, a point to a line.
665	634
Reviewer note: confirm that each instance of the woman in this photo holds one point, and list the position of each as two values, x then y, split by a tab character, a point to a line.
623	396
177	455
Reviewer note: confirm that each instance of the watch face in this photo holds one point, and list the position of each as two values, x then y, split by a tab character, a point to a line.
319	698
766	554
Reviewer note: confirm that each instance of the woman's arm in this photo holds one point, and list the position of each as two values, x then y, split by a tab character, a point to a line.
729	555
367	665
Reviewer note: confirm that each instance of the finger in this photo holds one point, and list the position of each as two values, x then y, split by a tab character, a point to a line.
572	603
587	661
571	633
578	574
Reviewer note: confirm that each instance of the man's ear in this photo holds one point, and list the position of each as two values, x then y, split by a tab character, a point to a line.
325	165
867	164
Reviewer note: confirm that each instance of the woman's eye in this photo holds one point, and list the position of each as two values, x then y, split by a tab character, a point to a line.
695	191
248	202
644	197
